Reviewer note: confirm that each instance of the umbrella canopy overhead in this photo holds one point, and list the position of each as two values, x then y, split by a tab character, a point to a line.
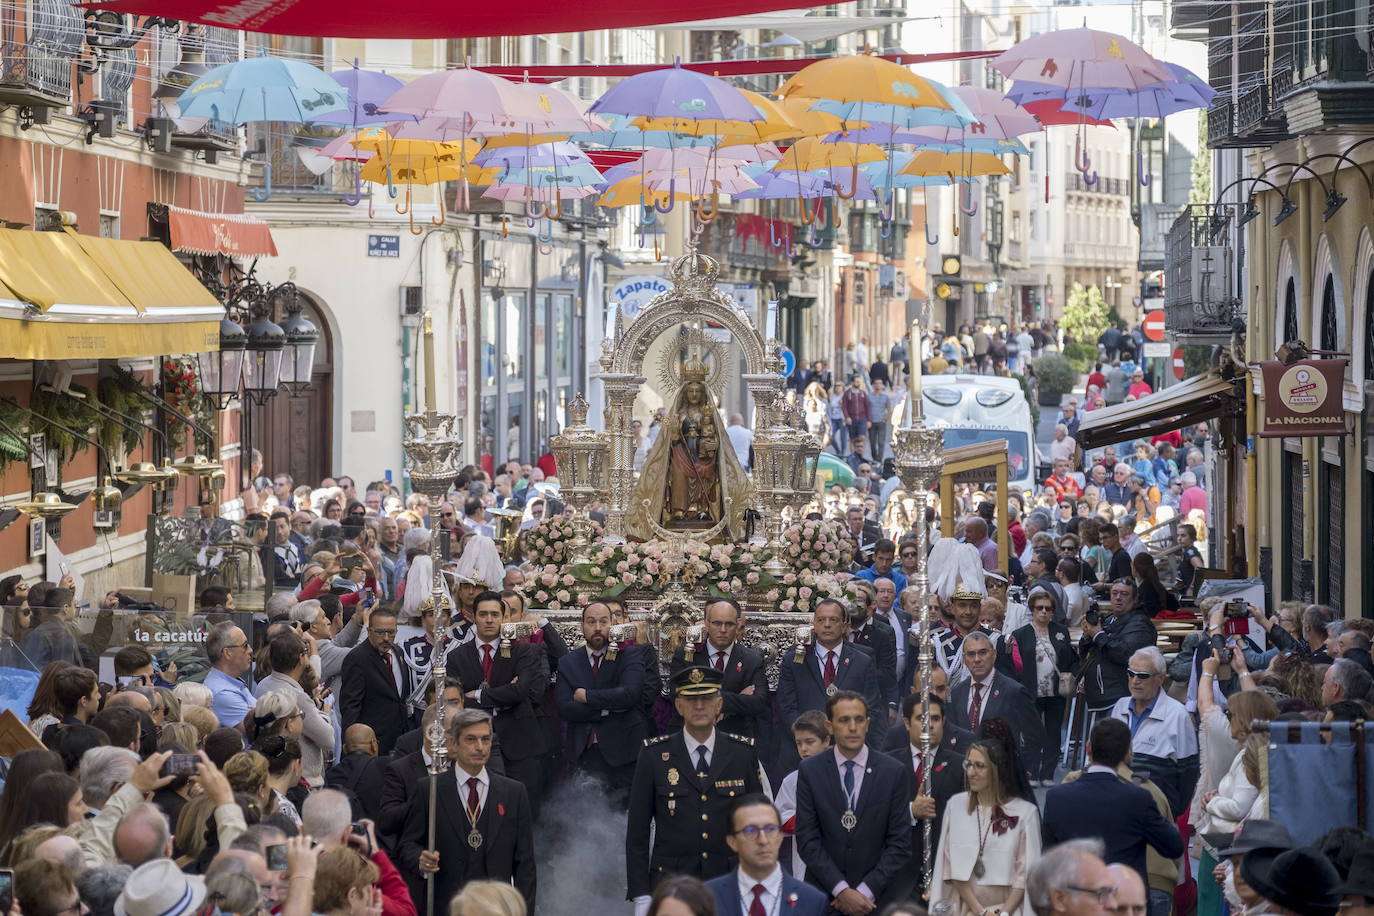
263	89
367	90
932	162
1074	58
674	92
864	79
464	95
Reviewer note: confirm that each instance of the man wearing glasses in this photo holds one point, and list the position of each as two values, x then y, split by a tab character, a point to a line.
376	682
755	837
1163	740
230	658
1072	880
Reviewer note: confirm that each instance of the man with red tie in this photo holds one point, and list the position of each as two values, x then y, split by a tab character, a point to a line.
375	682
599	696
811	673
744	674
507	679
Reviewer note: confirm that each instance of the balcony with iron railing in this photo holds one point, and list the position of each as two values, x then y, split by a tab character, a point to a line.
1331	83
1259	117
1203	252
1155	221
39	44
1117	187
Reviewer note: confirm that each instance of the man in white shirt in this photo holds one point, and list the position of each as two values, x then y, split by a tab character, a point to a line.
1163	739
741	438
758	884
1063	446
1069	572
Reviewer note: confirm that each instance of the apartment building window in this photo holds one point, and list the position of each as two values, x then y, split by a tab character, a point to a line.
1033	221
1016	227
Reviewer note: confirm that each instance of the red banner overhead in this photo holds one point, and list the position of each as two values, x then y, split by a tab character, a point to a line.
433	18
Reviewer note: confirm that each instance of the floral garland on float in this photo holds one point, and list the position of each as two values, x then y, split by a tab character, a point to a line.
811	549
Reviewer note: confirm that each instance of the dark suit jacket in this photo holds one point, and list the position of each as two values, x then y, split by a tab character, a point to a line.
810	902
368	694
946	781
744	667
878	636
1007	700
913	661
614	705
360	775
411	741
875	851
1075	809
507	850
514	697
1066	659
800	686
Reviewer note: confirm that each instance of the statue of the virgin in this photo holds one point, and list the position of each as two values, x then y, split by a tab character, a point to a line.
690	470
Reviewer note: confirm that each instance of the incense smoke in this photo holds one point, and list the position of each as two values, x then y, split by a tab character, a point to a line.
580	850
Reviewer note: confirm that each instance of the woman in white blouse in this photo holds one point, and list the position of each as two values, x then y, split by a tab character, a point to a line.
988	842
1223	808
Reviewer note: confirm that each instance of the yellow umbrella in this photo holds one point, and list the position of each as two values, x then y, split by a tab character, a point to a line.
934	162
810	153
630	191
864	79
425	162
505	140
812	123
776	124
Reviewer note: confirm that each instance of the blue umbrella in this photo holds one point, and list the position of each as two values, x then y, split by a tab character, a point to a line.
571	175
624	135
367	90
263	89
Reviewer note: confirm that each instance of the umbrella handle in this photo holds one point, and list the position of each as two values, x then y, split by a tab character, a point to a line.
853	182
414	230
356	197
706	215
402	211
658	253
835	219
807	216
536	209
557	208
1142	176
505	227
773	235
1090	178
813	237
442	205
884	228
647	216
954	218
1047	188
672	193
545	235
888	210
391	189
787	240
545	248
930	241
265	191
972	207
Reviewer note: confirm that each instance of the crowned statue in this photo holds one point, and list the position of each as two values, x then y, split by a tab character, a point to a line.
691	479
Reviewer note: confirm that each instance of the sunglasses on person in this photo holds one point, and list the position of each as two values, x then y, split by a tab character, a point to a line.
1140	675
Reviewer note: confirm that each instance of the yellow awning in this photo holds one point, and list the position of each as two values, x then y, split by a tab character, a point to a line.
69	296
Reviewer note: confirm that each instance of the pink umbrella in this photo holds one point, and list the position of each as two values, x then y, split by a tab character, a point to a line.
1075	58
520	192
464	94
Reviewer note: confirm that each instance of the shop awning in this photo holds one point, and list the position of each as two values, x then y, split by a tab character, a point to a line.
1202	397
232	234
69	296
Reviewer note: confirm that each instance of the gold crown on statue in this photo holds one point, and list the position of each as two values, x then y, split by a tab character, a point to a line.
695	371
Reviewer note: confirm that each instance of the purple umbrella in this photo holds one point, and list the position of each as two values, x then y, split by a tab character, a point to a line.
676	93
367	89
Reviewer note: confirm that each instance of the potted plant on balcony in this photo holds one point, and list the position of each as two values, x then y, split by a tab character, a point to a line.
1056	376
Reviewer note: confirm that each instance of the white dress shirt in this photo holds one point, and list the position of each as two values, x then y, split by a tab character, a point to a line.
772	889
712	652
891	616
693	744
821	652
860	765
483	785
986	694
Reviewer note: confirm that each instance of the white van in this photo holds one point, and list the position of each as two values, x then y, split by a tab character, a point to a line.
981	408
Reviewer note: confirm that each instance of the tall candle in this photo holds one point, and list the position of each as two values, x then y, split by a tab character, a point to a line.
611	308
430	387
914	364
771	328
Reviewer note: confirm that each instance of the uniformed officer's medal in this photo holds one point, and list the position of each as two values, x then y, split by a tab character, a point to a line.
849	820
672	776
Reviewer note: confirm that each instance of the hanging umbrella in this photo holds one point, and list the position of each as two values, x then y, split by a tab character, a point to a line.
775	185
774	124
1050	112
463	95
863	79
344	148
631	190
547	195
1077	58
1186	92
367	89
812	122
810	153
557	110
577	174
620	133
673	92
542	154
932	162
263	89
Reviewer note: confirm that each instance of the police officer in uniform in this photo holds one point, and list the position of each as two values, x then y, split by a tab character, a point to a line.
685	784
965	605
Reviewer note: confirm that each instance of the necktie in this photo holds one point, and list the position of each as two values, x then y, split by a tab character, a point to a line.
975	708
596	666
828	675
473	802
486	663
756	908
703	766
920	773
849	783
720	661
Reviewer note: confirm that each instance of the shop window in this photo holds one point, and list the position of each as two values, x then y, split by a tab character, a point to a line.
1290	310
1328	328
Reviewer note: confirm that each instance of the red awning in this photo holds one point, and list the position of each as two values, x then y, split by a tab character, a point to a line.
233	234
432	18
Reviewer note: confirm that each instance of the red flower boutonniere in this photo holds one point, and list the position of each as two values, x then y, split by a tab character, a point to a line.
500	809
739	666
792	901
939	767
846	661
1002	821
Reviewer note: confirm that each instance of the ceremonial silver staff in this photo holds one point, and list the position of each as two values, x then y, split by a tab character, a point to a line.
920	457
432	446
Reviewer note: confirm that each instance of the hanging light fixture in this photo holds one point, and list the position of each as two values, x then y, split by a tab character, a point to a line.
266	340
221	370
301	338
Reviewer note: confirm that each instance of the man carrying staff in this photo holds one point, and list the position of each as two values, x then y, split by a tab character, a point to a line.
685	785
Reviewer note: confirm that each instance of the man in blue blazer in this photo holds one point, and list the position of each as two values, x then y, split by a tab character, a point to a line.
755	837
810	674
853	814
599	697
1074	809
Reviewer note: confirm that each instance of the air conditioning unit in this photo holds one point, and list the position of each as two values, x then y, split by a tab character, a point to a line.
1213	277
159	134
412	304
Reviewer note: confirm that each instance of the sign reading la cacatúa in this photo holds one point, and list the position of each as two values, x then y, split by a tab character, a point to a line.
1304	399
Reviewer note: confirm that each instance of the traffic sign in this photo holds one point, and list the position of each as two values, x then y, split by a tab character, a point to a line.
1179	368
1153	326
1152	348
789	362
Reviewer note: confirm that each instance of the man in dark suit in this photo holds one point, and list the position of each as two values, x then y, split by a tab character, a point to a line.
483	826
876	633
600	699
376	681
648	661
934	783
1076	809
886	606
853	814
988	694
508	680
360	772
684	786
759	884
744	684
810	674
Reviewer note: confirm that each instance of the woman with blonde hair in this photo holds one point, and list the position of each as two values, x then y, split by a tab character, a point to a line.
189	693
277	714
344	884
486	898
247	774
1226	806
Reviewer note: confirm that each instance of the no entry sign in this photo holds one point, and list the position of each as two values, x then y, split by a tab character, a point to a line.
1178	363
1153	326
